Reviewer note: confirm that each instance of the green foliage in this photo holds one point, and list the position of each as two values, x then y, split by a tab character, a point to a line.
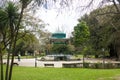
71	48
104	30
8	14
27	43
81	34
8	18
81	37
87	50
62	48
59	48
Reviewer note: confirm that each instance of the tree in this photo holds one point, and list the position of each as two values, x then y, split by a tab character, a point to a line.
106	17
14	32
61	49
103	30
8	16
10	19
13	21
81	36
27	43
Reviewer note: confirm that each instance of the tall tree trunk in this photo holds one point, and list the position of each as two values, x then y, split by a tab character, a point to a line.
112	52
7	67
118	53
83	61
117	44
1	66
8	63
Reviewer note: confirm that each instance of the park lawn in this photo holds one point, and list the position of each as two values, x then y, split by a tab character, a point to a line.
30	73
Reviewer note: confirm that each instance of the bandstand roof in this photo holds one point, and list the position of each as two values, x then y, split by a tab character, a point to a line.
58	35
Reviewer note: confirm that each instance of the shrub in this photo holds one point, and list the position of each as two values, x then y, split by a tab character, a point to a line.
86	65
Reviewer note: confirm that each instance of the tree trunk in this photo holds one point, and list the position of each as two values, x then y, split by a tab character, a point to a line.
117	48
1	65
118	53
112	52
7	67
8	63
83	60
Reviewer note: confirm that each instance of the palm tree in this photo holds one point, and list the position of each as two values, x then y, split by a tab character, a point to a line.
3	29
15	30
10	19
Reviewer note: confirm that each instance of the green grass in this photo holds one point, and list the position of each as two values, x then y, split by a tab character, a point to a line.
28	73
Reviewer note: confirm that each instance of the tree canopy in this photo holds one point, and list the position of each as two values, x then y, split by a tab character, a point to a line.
81	34
103	30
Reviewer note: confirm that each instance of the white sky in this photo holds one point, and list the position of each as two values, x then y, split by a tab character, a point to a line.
65	18
64	21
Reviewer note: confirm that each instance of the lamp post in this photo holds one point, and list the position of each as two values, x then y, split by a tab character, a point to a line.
35	58
103	57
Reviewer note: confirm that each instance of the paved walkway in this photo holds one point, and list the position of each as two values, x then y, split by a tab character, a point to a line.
24	62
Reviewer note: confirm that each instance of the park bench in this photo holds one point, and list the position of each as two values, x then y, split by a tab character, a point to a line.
49	65
15	63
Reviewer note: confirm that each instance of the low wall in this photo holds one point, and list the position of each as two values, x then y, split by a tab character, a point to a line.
58	64
77	64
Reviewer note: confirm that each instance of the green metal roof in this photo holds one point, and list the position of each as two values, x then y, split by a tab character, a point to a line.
59	35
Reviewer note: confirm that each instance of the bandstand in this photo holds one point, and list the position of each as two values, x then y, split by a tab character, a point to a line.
58	59
58	38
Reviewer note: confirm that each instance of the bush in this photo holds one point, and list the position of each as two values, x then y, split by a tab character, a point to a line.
105	66
109	66
86	65
97	65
